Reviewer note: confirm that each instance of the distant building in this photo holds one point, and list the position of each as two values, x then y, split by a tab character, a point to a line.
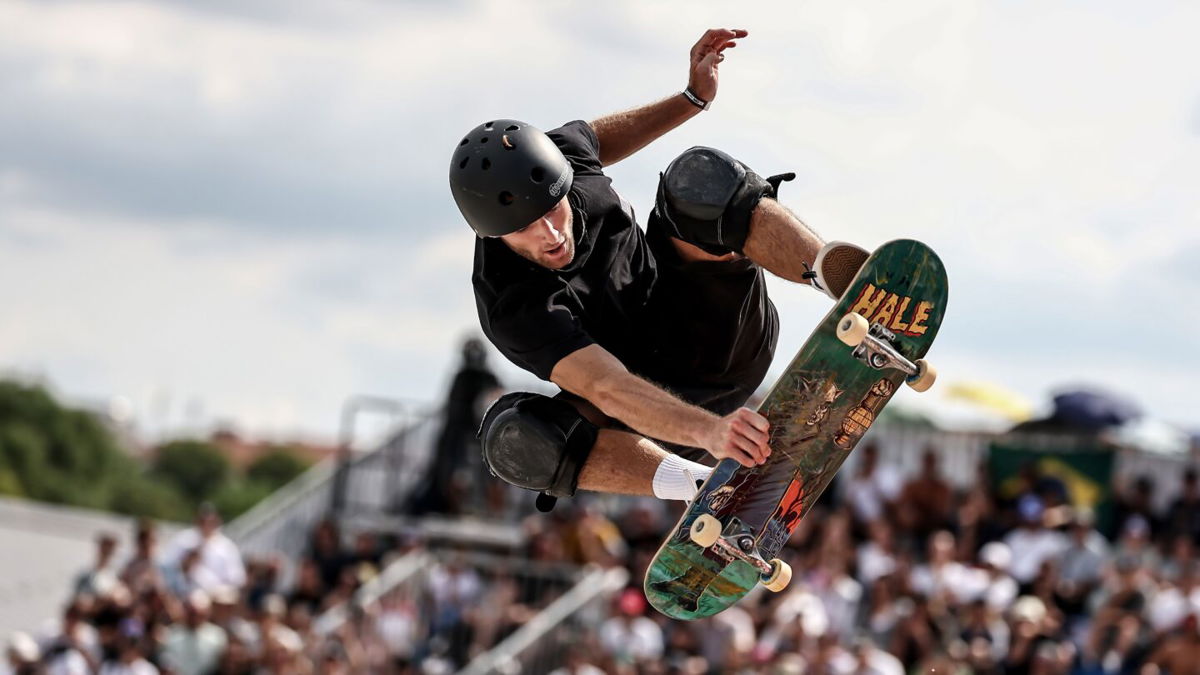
242	452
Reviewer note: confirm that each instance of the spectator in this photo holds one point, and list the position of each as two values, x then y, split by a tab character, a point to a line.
224	612
263	580
918	635
399	625
925	502
1183	515
1179	652
727	639
871	660
367	558
75	649
271	637
220	562
877	557
1118	628
1181	559
309	590
188	575
1172	602
195	646
591	538
1080	565
23	656
577	664
872	488
454	589
326	551
1136	501
980	625
628	637
944	577
101	577
128	658
837	591
1135	542
142	573
454	457
995	558
236	660
1031	543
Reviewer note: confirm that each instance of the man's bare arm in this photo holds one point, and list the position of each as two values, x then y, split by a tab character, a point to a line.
624	133
597	375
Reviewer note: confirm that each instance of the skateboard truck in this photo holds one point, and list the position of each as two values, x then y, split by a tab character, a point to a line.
735	542
875	345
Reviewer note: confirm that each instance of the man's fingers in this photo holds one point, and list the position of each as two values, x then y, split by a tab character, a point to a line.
754	419
740	456
759	451
756	436
717	38
748	449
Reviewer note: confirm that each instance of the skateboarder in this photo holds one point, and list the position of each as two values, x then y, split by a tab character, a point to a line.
657	339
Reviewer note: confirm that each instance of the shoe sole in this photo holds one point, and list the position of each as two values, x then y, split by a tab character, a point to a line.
837	267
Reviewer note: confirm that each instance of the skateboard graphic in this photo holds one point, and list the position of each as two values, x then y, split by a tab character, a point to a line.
869	344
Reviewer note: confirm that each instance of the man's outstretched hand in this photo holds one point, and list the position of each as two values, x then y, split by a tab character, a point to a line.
707	54
741	435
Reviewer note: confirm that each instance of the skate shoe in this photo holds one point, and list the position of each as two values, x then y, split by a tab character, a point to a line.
836	264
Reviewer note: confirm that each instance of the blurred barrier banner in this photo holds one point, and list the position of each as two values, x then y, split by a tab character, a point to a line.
1079	476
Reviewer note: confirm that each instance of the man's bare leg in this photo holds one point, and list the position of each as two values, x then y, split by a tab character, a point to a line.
629	464
781	242
778	241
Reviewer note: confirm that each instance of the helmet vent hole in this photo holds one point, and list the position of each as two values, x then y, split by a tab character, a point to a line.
487	163
538	174
488	126
463	164
464	142
483	140
506	198
511	127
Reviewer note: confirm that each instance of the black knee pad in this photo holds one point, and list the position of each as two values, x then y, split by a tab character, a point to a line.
707	197
536	442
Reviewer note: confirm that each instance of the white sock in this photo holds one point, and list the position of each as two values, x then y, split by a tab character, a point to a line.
676	478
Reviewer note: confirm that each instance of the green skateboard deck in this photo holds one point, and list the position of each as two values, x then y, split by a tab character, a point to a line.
818	410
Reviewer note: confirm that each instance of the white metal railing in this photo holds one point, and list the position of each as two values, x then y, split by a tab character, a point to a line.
398	572
517	653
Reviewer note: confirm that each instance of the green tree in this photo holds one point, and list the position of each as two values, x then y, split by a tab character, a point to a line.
196	468
55	453
276	468
136	494
237	496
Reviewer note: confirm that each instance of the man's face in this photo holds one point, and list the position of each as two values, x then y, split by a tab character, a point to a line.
548	241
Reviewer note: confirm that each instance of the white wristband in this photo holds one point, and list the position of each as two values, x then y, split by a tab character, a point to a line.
696	100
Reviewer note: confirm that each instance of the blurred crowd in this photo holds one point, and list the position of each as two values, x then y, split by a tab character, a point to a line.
896	575
193	605
892	575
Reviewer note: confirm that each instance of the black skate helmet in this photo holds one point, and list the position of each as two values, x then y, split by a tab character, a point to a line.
505	174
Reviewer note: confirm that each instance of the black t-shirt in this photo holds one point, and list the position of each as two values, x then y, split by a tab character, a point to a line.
704	330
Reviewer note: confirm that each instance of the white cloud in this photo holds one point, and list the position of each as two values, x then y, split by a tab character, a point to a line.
250	208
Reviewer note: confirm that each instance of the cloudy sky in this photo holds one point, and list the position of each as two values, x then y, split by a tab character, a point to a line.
237	211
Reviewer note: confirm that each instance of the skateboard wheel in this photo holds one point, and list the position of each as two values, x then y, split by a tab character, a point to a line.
852	329
706	530
925	377
781	576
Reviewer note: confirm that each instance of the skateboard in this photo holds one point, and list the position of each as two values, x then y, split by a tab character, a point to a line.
869	344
